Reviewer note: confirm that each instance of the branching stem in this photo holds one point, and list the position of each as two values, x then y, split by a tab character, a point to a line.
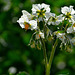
51	57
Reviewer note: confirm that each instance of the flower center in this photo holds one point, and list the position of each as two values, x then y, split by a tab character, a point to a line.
54	19
74	25
68	15
39	36
62	37
41	12
26	26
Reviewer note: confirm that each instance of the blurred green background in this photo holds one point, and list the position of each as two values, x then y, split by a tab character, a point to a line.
15	54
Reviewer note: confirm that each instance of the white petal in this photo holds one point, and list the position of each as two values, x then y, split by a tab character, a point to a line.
35	8
52	14
73	28
73	17
46	7
22	20
70	30
49	23
39	6
40	19
25	12
57	22
61	36
60	17
41	34
22	25
47	15
33	24
72	10
64	10
53	23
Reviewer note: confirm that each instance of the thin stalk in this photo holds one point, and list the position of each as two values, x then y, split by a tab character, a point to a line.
43	44
44	52
66	27
51	57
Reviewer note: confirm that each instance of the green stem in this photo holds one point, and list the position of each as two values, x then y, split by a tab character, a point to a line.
51	57
44	51
43	45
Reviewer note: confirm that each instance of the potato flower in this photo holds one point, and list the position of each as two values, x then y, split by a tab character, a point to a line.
26	23
40	10
69	13
54	20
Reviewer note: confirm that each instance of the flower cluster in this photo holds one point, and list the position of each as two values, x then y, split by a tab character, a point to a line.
46	24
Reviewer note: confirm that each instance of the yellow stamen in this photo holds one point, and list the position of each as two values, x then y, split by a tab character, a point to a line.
43	14
43	11
68	15
39	10
38	13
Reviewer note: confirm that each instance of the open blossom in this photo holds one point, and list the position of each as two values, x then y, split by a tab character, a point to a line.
54	20
26	23
71	29
40	10
68	12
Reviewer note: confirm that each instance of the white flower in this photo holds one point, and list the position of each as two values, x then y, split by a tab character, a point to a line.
22	20
33	24
54	20
61	36
30	17
68	12
41	34
12	70
26	23
73	40
71	29
40	10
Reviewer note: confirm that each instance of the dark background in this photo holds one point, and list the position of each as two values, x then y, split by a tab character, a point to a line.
14	49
